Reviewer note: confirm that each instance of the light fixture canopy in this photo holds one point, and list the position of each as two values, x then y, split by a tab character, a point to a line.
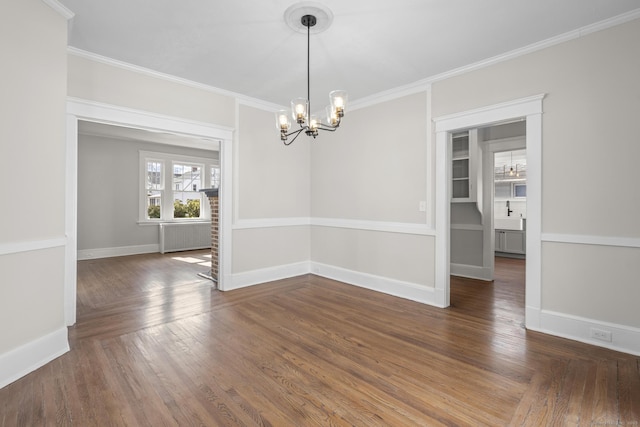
301	107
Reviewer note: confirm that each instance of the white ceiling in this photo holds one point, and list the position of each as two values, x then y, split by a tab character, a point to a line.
245	46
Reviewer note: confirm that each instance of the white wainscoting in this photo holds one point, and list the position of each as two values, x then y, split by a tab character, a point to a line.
264	275
398	288
27	358
623	338
471	271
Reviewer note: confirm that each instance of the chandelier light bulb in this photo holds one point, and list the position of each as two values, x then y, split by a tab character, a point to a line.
332	116
282	120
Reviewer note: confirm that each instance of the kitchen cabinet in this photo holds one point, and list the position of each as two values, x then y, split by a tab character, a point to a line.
511	241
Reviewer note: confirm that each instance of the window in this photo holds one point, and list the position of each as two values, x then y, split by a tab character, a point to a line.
175	196
187	179
153	188
520	190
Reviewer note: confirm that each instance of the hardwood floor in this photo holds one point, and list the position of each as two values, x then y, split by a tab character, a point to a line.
155	345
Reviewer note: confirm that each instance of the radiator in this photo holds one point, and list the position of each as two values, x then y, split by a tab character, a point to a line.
184	236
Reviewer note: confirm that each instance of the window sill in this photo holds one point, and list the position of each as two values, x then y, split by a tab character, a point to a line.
174	221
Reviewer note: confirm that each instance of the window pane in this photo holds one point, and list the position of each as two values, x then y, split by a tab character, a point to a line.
186	209
153	204
154	175
187	181
215	177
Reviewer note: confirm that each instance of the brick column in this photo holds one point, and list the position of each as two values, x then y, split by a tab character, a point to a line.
212	194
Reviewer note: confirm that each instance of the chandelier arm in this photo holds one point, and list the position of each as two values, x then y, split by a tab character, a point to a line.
329	128
297	133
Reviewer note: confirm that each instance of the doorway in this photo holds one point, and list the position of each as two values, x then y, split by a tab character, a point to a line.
78	110
527	109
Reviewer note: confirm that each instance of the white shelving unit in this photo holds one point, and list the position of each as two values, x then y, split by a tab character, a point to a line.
464	166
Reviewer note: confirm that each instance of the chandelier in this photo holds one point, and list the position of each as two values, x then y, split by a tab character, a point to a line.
301	107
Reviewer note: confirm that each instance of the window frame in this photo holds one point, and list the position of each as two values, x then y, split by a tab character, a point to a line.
167	193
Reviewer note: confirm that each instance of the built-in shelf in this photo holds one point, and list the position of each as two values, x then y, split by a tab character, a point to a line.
464	147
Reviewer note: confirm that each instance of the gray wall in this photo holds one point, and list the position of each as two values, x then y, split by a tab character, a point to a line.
109	191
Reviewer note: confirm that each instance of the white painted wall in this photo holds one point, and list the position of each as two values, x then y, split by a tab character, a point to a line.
32	223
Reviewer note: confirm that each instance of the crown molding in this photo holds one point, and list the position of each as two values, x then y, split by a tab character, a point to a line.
244	99
571	35
422	85
425	84
60	8
391	94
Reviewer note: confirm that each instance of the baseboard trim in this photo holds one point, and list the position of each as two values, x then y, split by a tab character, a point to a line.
85	254
20	361
471	271
625	339
264	275
398	288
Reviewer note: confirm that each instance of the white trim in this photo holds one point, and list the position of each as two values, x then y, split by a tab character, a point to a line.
624	338
398	288
79	109
60	8
581	239
385	226
225	220
259	104
471	271
122	116
391	227
429	162
22	360
490	114
260	276
243	224
71	220
529	108
84	254
468	227
35	245
390	95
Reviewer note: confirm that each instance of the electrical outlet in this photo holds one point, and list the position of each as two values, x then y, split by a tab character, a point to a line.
601	334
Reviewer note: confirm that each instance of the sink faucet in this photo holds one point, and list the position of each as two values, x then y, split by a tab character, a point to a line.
509	209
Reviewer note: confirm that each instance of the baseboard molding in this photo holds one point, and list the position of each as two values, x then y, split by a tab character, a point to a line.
263	275
623	338
85	254
398	288
471	271
27	358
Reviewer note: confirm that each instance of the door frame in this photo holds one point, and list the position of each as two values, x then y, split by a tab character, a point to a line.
79	109
529	109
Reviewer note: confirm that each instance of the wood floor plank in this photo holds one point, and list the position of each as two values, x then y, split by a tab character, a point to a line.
156	345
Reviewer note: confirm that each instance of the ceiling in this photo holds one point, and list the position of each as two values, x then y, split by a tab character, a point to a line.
370	47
